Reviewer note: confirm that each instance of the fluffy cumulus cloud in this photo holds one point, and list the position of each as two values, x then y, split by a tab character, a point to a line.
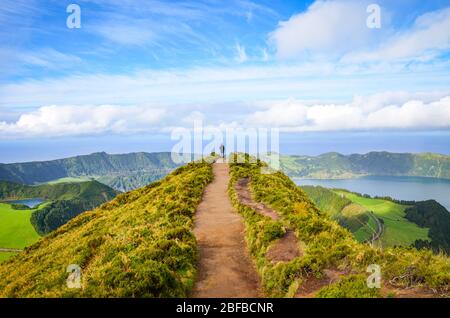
338	30
429	36
82	120
326	26
385	111
371	113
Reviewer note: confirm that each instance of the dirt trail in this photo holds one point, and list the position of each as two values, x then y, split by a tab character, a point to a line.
225	268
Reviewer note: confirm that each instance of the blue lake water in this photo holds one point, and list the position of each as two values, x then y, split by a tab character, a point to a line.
401	188
28	202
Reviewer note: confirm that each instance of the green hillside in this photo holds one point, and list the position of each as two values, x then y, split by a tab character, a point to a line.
405	223
334	165
432	215
141	244
64	200
326	245
326	200
138	245
123	172
352	216
397	229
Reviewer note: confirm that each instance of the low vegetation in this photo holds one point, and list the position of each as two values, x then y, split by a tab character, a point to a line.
326	244
138	245
16	230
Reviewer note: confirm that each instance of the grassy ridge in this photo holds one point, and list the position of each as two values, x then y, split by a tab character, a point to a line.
348	214
5	255
137	245
327	245
326	200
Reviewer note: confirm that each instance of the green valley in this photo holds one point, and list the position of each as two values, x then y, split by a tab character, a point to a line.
21	226
16	231
397	230
402	223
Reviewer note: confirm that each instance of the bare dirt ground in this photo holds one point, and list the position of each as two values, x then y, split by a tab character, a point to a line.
225	268
246	198
283	250
312	285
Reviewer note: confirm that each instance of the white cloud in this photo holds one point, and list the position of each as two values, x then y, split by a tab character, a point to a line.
265	55
241	54
386	111
329	27
48	58
126	34
337	30
82	120
429	36
242	82
413	114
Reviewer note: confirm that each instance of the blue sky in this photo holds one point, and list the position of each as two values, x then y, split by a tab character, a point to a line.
137	69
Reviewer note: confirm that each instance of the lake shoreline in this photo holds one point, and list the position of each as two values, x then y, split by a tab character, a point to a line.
399	188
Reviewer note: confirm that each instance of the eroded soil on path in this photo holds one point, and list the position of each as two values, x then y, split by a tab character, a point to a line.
286	248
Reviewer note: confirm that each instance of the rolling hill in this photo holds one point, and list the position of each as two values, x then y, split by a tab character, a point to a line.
122	172
405	223
336	166
64	200
138	245
141	244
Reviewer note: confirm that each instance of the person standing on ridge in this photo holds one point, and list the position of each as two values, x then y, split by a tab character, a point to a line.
222	151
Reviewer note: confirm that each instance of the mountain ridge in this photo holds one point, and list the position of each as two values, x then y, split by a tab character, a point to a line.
123	172
333	165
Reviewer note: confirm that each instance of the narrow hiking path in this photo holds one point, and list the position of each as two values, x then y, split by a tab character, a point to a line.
225	268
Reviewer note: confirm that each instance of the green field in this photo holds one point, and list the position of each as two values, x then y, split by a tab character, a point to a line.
16	230
397	229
